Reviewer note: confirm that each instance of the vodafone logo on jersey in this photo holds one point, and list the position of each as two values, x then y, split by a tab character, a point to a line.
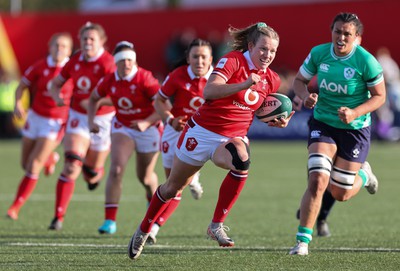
251	97
84	84
196	102
124	103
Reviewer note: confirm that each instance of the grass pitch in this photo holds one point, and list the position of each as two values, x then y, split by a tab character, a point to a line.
365	230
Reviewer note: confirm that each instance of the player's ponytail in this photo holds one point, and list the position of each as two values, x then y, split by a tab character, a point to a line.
242	37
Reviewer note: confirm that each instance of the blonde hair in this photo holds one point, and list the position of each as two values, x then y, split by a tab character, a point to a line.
242	37
55	36
92	26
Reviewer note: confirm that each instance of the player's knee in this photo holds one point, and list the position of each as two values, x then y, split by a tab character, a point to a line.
116	172
72	162
317	185
167	191
338	194
343	179
149	179
91	172
73	158
340	197
318	162
237	161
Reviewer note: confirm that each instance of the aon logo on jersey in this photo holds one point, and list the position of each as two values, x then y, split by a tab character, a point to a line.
333	87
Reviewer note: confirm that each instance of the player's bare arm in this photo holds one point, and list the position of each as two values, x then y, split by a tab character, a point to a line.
55	89
217	87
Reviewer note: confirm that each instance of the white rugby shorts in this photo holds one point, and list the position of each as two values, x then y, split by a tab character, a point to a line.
197	145
168	145
145	142
78	124
37	126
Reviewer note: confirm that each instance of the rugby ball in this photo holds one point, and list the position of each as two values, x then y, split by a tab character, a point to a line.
274	106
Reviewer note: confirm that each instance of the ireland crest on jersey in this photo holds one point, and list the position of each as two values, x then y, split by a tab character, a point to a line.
349	73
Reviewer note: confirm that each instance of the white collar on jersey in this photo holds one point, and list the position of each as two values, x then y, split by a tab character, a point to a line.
92	59
193	76
336	57
129	76
51	62
249	62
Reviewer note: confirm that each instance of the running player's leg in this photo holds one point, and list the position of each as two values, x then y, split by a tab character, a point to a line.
75	146
121	151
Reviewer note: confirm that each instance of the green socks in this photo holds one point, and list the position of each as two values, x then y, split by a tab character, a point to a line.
363	175
304	234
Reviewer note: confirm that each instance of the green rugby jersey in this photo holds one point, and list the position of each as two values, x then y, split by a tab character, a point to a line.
342	81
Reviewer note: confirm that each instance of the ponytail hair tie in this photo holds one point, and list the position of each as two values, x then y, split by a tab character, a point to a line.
261	25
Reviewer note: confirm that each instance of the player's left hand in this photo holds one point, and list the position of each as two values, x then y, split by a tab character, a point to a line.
297	103
179	122
281	122
346	114
94	127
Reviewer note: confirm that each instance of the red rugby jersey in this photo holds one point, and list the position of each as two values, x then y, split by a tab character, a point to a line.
232	116
186	90
133	99
85	76
37	78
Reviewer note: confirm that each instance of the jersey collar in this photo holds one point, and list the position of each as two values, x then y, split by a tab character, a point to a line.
129	77
336	57
51	63
193	76
250	63
92	59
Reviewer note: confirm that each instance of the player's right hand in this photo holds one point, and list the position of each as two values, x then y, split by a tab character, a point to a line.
19	111
297	103
253	79
94	128
311	100
179	123
59	101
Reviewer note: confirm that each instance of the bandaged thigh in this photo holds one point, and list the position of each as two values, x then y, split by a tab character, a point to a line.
318	162
343	178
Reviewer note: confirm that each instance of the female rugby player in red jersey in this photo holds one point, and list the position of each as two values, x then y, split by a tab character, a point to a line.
84	151
217	131
180	96
135	127
45	123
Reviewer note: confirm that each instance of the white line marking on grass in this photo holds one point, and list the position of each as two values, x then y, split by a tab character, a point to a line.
338	249
75	197
19	244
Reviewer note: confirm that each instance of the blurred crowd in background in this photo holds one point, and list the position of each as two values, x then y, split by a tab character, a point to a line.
386	124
